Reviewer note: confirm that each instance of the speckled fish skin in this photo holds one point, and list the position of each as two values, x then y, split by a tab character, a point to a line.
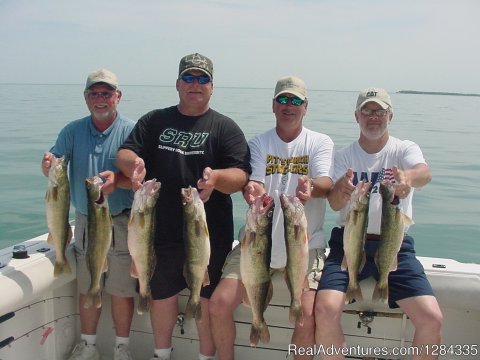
141	230
256	247
99	229
197	249
392	233
354	239
57	206
296	242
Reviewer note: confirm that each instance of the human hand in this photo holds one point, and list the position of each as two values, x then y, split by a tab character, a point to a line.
304	188
138	173
252	190
344	186
46	162
109	181
206	184
401	185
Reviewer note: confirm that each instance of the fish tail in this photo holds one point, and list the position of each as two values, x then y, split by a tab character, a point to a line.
380	293
93	298
144	303
354	292
61	268
259	332
193	309
296	312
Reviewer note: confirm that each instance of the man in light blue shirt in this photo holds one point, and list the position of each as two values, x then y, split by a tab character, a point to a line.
90	145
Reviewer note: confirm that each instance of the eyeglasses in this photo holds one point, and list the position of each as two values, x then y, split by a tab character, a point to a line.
93	95
202	79
293	100
377	112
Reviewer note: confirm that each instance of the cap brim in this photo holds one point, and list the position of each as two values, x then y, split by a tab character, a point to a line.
383	104
293	92
196	68
114	87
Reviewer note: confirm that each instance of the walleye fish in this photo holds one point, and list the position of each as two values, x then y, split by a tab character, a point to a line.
197	249
99	228
392	233
57	204
296	242
354	239
256	247
141	228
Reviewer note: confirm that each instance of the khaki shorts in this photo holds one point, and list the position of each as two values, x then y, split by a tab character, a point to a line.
117	280
316	260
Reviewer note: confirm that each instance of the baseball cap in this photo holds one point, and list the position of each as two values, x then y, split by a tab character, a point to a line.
378	95
196	62
292	85
102	76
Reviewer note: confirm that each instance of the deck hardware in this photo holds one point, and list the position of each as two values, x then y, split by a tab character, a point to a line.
439	266
20	252
6	341
366	317
7	316
43	249
181	322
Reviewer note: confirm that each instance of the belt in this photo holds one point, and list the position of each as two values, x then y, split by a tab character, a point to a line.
373	237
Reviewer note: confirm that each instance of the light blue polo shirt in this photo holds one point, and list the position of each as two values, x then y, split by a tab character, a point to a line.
90	152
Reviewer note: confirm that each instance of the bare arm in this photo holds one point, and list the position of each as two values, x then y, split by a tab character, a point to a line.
341	192
226	181
132	166
416	177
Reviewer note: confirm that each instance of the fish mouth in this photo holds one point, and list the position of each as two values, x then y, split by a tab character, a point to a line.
101	198
267	203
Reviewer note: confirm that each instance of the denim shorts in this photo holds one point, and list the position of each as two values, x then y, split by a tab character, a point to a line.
407	281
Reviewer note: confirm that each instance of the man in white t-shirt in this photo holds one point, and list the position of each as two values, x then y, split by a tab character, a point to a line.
377	157
287	159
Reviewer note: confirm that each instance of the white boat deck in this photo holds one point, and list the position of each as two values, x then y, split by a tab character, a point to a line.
39	315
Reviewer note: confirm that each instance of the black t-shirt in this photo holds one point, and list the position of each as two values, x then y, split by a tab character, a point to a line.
176	149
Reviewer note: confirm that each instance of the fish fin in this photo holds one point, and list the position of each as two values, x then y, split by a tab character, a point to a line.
269	295
406	220
206	279
193	310
142	219
93	298
144	303
54	194
363	262
296	312
380	294
198	227
61	268
394	265
69	234
344	265
133	270
246	300
353	293
105	266
259	332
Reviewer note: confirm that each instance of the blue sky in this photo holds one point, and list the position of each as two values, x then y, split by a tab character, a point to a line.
429	45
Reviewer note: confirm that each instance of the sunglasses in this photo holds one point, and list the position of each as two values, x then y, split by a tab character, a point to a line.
293	100
93	95
202	79
377	112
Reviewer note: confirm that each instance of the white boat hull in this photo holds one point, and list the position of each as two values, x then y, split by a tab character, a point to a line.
39	315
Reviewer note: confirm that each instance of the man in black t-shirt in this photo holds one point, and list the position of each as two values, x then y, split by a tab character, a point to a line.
187	145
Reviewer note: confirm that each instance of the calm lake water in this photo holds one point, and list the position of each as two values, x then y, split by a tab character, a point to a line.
446	212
